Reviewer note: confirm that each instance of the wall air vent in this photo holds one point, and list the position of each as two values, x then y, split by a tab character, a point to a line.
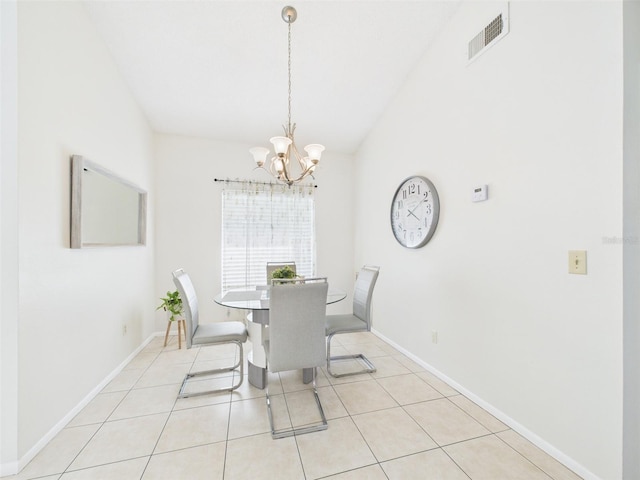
489	35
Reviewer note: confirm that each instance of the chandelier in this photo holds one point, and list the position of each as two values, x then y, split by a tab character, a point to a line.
286	152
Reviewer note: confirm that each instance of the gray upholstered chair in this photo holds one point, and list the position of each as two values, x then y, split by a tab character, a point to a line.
208	334
297	310
358	321
271	266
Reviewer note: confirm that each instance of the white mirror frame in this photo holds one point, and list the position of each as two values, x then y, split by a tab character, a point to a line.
79	165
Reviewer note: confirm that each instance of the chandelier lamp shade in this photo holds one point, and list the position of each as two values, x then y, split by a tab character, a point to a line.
281	164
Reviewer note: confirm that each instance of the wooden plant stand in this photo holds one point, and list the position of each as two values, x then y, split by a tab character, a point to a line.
182	330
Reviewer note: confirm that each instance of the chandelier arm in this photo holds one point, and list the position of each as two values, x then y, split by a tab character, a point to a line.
304	174
285	169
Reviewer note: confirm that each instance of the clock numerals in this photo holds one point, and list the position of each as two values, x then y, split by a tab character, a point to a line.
415	212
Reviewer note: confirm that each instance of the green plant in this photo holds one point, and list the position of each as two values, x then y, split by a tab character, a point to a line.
283	272
172	303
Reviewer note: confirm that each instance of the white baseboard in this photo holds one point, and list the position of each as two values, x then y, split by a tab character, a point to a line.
510	422
11	468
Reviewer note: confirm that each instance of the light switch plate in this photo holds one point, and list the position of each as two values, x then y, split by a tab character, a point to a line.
578	262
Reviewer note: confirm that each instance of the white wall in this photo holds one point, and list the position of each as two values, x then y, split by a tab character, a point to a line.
631	245
188	212
538	118
73	303
8	238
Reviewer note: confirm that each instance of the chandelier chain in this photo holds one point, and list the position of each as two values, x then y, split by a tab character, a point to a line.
289	73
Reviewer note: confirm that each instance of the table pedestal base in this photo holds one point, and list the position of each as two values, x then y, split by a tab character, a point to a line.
257	375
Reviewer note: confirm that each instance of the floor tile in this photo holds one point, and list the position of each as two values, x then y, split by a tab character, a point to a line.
121	440
247	390
407	389
208	384
249	417
348	366
194	427
260	456
303	409
372	472
341	442
214	364
227	350
99	409
483	417
157	344
113	471
168	357
292	381
198	463
371	351
392	433
21	477
445	422
338	350
142	361
146	401
545	462
436	462
202	400
410	364
489	458
438	384
157	375
362	397
59	452
387	367
124	381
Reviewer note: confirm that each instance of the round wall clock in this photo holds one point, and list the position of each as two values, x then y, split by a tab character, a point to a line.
414	212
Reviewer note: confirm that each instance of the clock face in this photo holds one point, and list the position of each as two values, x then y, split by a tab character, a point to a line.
414	212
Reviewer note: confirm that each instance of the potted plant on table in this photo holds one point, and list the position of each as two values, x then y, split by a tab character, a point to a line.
283	272
172	304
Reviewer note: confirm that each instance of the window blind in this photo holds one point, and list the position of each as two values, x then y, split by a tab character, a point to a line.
266	223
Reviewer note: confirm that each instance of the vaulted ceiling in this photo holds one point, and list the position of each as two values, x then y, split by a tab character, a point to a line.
218	69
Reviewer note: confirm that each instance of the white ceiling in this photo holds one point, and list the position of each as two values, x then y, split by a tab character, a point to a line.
218	69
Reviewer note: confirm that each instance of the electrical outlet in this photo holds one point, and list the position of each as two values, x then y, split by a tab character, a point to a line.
434	336
124	329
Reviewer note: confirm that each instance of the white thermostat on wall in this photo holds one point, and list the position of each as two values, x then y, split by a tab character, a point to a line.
480	193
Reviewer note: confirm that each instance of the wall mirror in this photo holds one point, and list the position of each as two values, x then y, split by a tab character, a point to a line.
106	209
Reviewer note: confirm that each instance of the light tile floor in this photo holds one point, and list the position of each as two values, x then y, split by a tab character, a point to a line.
401	422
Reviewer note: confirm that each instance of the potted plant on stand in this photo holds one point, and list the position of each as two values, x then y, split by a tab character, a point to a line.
172	304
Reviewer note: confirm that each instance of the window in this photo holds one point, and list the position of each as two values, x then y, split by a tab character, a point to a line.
266	223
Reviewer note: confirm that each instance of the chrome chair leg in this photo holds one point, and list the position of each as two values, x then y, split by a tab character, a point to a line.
289	432
233	368
369	366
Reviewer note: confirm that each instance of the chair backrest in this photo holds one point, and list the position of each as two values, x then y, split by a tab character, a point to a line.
271	266
363	293
189	302
297	311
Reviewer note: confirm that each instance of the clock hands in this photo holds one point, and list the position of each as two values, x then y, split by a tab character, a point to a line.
411	213
414	209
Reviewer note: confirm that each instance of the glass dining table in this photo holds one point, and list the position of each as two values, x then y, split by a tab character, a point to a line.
256	301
